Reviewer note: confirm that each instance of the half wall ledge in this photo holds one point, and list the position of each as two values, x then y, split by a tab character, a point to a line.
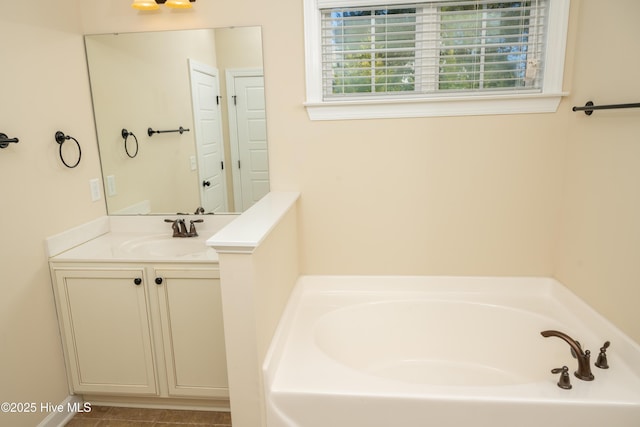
244	234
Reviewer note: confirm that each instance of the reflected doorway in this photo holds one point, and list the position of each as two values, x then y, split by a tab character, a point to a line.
207	117
247	135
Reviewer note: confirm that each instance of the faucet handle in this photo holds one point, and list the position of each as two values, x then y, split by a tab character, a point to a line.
175	226
192	227
565	380
602	357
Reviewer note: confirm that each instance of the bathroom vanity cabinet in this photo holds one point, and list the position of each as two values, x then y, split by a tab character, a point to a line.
149	329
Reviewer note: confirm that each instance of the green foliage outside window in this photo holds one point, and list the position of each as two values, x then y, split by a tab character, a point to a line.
480	48
483	47
379	52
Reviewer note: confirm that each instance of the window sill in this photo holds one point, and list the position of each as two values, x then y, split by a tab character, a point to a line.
434	107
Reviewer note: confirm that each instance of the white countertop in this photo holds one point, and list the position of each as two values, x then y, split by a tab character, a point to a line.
112	247
147	238
136	239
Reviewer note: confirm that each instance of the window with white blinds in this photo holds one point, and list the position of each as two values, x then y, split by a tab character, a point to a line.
398	58
443	47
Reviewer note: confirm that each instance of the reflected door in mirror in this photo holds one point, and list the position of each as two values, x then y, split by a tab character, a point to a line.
250	140
207	117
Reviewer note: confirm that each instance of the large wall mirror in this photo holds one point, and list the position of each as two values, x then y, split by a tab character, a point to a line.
180	119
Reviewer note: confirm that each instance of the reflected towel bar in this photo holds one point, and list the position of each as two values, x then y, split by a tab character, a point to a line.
150	131
589	108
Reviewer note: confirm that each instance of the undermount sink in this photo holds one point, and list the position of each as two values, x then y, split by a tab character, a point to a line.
166	246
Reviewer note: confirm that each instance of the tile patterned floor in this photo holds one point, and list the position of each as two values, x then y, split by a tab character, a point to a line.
110	416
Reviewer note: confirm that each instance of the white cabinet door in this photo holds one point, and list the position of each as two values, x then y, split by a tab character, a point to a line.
192	331
106	330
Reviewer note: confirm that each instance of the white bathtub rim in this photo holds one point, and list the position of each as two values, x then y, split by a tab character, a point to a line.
624	346
621	343
276	347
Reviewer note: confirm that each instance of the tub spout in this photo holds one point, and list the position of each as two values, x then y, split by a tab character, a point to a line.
584	364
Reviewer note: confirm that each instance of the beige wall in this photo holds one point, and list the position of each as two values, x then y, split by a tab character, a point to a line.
467	195
44	88
599	243
507	195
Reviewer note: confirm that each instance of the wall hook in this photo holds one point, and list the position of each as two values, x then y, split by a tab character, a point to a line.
61	138
126	134
5	140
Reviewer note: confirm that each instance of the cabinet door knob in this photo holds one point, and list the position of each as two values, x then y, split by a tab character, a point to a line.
137	280
158	280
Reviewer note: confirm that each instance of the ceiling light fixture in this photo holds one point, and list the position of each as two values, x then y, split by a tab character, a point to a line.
145	5
154	4
179	4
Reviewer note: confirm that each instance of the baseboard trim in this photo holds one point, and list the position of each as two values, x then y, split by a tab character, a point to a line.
71	406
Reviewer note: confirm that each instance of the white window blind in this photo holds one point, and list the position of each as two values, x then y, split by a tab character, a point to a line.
443	47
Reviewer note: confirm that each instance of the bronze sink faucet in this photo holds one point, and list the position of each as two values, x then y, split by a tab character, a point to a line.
179	227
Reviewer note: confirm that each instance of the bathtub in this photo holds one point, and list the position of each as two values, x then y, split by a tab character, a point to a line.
443	351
